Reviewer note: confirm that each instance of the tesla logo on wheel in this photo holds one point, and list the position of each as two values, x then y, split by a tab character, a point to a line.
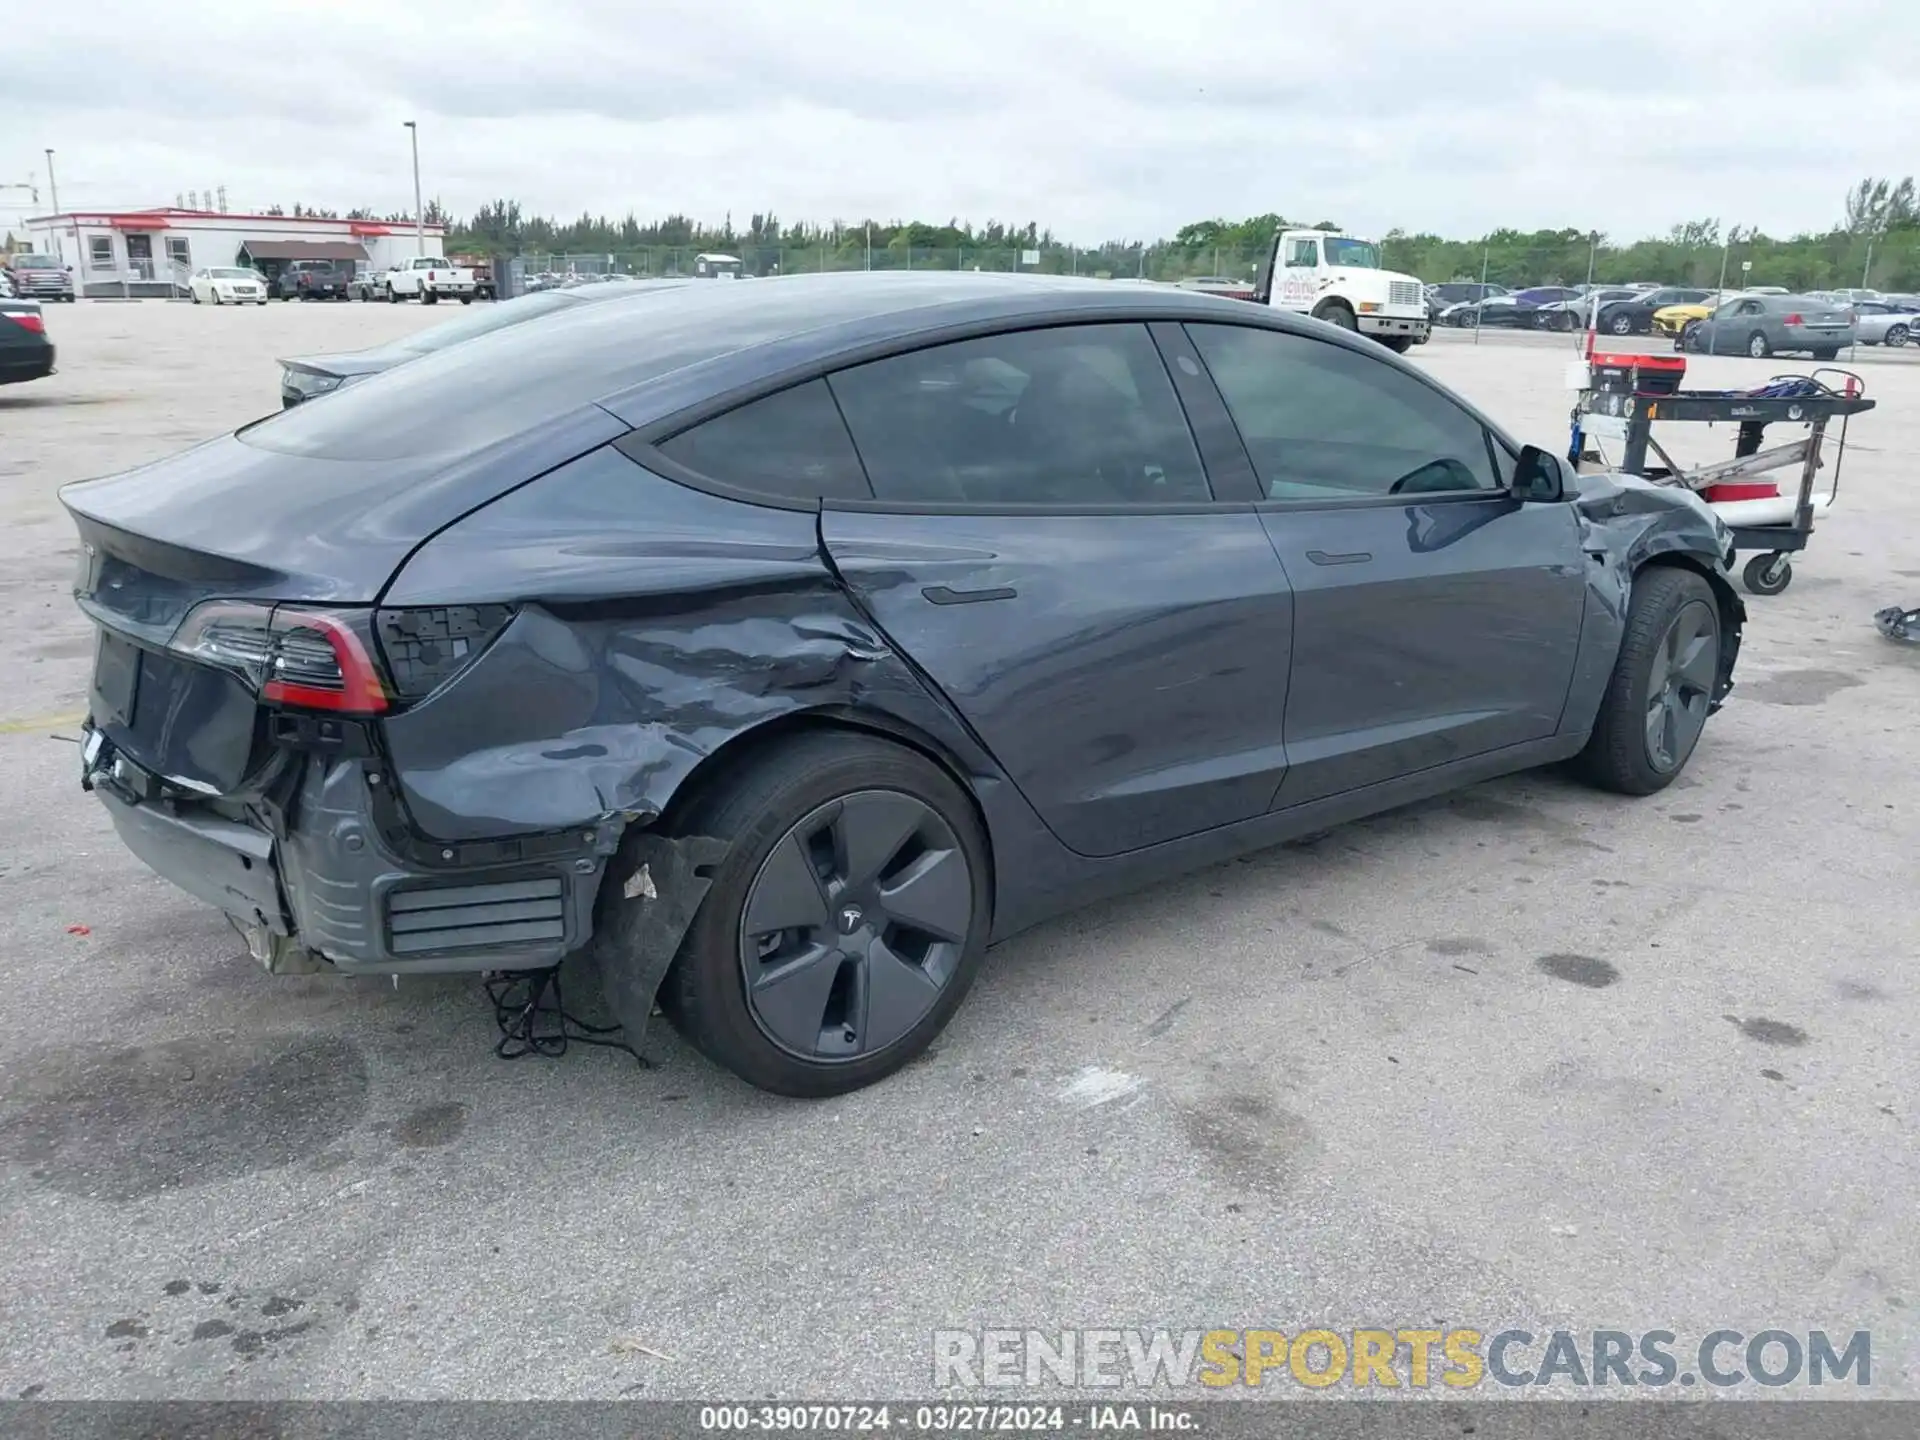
850	919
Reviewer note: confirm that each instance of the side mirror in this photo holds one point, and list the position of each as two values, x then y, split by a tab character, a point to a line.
1539	476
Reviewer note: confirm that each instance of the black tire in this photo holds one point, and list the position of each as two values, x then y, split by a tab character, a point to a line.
1466	319
1619	755
428	297
1335	312
1757	345
1826	352
756	811
1620	325
392	297
1399	344
1897	336
1767	574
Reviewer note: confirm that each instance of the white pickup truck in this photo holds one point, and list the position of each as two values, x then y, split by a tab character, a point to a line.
431	277
1338	278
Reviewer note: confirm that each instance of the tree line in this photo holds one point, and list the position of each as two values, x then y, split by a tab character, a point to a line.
1876	242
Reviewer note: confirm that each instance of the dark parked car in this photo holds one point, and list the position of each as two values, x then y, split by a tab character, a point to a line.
782	645
1571	313
1635	316
307	376
315	280
1518	310
1762	325
25	351
40	277
1457	292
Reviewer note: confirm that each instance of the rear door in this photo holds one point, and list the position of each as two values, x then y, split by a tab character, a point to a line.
1043	542
1435	616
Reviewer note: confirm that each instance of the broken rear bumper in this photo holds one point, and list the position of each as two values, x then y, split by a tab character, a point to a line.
329	869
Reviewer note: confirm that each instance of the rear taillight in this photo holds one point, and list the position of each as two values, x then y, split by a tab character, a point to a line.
309	658
26	320
1793	320
426	647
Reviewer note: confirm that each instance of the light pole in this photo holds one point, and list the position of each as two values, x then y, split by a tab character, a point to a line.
53	185
419	214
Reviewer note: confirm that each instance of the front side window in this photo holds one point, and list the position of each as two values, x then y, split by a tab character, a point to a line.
1323	422
1080	415
1354	254
1303	254
792	445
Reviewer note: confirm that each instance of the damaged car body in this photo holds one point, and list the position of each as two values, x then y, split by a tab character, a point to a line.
783	646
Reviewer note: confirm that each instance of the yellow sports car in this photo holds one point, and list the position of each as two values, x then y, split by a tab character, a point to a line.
1673	319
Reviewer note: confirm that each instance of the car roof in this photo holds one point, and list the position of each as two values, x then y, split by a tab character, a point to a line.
700	343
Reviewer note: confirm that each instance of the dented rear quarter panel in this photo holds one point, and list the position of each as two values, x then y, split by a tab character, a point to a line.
657	623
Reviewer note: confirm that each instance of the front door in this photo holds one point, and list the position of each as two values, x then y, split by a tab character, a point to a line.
1044	545
1435	617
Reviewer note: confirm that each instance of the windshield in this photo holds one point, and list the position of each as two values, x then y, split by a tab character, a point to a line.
37	262
481	322
233	275
1354	254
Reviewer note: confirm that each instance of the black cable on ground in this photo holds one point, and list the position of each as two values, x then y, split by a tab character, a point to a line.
531	1014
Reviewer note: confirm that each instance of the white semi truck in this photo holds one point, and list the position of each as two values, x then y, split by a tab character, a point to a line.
1338	278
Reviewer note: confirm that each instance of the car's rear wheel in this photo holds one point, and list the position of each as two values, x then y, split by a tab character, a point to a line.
1757	346
1621	325
1826	352
1662	686
1399	344
846	922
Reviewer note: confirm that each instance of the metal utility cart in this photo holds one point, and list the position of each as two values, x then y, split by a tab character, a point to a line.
1623	396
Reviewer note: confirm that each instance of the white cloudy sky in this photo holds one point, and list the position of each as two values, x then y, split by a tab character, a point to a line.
1102	120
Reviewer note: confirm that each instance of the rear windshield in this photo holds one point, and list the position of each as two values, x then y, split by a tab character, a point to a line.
483	322
498	385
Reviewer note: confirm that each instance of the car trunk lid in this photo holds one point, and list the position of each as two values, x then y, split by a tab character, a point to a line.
231	578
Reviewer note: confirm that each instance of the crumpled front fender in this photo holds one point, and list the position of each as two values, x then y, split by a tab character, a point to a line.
1626	524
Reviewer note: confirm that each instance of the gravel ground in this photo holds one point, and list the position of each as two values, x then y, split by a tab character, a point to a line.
1531	1057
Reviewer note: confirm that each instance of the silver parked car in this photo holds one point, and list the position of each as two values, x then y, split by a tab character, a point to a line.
1884	322
1762	325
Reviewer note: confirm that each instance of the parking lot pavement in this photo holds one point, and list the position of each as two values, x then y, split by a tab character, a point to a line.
1529	1057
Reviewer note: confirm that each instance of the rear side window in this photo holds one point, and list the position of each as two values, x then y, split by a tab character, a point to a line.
1079	415
792	445
1325	422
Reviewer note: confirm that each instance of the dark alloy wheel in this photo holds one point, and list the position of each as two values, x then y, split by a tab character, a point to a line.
1621	324
846	922
854	925
1657	702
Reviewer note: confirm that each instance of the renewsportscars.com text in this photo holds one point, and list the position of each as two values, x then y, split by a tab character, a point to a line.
1415	1358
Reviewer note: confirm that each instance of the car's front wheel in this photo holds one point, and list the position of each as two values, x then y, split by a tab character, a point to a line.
1662	686
846	922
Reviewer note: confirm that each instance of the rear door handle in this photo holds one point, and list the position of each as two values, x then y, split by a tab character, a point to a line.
946	595
1357	557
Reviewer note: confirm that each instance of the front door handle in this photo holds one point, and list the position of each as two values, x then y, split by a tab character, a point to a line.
1357	557
946	595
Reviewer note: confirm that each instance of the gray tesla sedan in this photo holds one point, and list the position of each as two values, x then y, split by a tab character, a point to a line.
783	645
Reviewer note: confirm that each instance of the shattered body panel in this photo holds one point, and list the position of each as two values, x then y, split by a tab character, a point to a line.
1627	523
